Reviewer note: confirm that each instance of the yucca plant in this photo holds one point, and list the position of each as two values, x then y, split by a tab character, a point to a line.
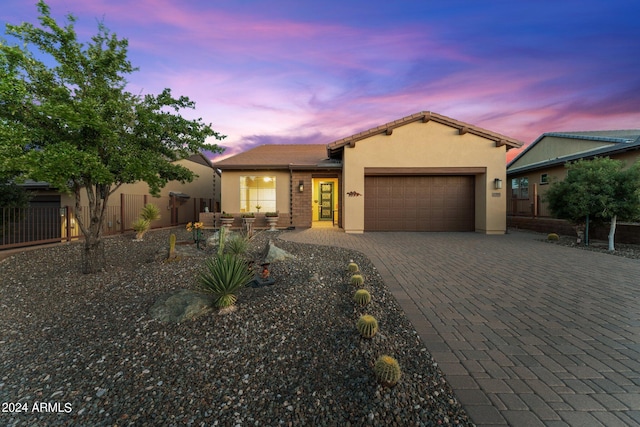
150	212
238	244
140	226
224	276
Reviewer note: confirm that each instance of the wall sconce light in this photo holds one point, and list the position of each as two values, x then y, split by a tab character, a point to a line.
301	186
497	183
63	212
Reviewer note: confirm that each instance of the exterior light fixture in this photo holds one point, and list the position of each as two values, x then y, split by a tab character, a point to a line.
497	183
301	186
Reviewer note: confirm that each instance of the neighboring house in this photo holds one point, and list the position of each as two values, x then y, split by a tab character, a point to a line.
51	215
424	172
543	162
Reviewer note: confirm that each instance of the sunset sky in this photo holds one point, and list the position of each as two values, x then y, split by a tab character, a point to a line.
291	71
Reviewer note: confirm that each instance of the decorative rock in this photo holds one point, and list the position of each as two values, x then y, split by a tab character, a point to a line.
274	253
180	306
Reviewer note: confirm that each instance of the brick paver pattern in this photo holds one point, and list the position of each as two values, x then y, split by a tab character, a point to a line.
528	333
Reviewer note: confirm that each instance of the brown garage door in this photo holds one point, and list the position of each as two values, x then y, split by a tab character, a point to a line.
419	203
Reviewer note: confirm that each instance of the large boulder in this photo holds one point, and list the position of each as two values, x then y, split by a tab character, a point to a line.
181	305
275	253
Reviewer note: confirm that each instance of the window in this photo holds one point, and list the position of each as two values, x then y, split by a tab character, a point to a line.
520	188
257	191
544	179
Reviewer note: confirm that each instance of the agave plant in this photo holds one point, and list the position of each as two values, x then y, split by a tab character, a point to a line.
224	276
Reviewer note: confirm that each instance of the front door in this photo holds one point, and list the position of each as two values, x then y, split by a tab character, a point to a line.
326	201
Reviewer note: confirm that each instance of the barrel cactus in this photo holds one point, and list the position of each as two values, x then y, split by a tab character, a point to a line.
362	297
367	326
387	371
357	280
353	267
553	236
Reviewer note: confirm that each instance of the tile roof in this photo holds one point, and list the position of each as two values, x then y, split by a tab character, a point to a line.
285	156
424	116
280	156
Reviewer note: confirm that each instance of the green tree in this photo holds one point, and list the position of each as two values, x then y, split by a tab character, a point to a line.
74	125
601	189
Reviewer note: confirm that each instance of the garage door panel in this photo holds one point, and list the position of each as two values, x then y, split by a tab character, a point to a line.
419	203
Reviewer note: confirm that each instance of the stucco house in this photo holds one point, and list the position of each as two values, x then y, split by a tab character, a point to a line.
423	172
543	161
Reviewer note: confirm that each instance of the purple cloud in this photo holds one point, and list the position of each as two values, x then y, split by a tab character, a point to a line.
293	72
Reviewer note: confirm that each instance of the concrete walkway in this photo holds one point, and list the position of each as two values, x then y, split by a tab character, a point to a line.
527	333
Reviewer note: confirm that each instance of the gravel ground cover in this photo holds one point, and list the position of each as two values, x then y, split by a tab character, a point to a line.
82	350
626	250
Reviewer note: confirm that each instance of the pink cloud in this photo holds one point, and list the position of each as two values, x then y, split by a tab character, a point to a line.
260	78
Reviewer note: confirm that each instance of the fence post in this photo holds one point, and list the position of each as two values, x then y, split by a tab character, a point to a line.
121	212
535	200
67	221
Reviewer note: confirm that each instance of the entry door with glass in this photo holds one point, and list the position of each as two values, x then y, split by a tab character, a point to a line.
326	201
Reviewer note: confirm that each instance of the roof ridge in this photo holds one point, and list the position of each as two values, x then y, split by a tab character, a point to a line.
425	116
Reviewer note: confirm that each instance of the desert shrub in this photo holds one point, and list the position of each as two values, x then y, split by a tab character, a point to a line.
224	276
367	325
387	371
362	297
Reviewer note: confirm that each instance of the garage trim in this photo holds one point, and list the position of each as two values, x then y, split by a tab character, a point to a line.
425	171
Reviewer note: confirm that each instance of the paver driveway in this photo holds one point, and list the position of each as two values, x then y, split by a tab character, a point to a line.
528	333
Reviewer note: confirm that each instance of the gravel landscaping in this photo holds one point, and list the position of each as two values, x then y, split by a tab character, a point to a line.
83	350
625	250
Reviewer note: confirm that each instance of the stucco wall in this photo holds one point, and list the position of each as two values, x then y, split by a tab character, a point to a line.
427	145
